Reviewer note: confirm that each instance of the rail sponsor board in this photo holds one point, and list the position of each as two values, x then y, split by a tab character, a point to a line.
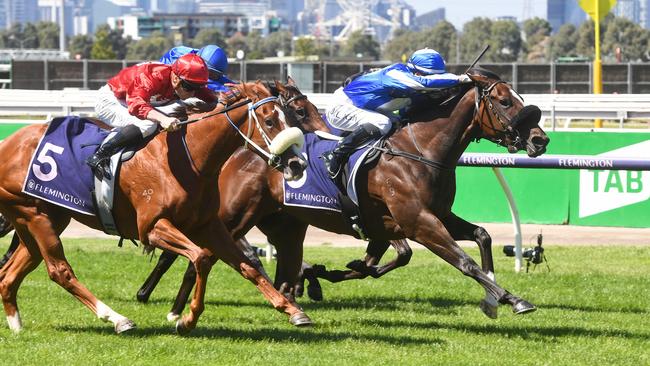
593	196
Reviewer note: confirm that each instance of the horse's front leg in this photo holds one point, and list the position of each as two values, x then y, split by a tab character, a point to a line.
463	230
425	228
166	236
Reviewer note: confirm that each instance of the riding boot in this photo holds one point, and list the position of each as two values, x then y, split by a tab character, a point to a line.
126	136
335	159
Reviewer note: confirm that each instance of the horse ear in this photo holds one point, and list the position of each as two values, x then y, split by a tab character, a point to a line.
279	86
290	81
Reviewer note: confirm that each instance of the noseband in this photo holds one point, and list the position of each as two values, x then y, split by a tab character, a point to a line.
499	122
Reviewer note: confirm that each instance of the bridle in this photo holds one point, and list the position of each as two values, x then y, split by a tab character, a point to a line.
300	117
274	160
500	123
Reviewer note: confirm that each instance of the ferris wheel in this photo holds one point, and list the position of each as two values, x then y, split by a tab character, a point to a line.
356	15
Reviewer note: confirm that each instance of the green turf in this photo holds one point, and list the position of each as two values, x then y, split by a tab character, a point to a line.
593	310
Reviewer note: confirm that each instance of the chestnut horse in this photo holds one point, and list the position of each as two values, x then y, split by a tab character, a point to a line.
394	202
180	216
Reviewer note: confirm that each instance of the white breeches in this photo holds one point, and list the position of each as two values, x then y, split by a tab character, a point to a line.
114	113
344	115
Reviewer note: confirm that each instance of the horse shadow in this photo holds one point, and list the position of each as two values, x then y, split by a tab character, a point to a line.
293	335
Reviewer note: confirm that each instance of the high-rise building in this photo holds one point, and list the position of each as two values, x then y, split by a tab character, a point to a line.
431	18
560	12
19	11
630	9
250	7
645	14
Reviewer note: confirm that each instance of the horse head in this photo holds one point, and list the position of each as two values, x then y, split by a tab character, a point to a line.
303	113
272	129
502	117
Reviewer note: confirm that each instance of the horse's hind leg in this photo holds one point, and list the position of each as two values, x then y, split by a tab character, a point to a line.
19	265
375	252
463	230
43	235
15	240
430	232
165	261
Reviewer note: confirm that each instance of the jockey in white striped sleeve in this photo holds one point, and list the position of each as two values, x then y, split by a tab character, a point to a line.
368	105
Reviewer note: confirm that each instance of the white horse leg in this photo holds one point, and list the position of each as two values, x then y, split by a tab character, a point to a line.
121	323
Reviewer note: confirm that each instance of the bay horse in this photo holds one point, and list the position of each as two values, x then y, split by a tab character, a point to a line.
408	193
180	216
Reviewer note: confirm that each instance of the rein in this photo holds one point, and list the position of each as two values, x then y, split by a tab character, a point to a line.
225	110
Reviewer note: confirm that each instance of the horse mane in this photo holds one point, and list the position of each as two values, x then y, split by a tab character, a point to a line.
484	72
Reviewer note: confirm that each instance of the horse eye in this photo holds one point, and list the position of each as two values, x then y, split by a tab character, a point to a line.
268	122
506	103
300	112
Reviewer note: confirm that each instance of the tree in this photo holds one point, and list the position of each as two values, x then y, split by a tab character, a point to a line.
563	43
208	36
403	43
630	38
237	42
151	48
277	41
81	44
476	34
359	43
254	43
305	46
585	39
537	32
48	35
442	38
102	49
505	41
29	36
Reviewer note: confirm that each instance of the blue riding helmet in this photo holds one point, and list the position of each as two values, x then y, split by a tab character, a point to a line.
215	58
426	61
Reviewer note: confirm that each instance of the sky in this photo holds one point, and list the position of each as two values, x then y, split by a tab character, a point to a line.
458	12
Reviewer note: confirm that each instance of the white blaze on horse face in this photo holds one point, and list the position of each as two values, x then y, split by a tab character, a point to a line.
516	96
107	314
282	117
15	324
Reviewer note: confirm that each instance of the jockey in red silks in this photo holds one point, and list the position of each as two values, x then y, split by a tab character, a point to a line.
127	101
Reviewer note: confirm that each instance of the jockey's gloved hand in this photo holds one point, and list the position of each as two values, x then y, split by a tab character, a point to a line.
170	123
464	78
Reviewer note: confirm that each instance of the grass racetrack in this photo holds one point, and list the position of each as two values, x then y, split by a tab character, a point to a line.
593	309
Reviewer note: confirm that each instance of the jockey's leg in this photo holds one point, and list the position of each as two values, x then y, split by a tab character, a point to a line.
126	136
364	124
336	158
112	112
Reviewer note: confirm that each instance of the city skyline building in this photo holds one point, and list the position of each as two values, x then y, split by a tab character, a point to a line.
560	12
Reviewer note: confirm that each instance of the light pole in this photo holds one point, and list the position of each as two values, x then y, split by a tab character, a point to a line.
62	27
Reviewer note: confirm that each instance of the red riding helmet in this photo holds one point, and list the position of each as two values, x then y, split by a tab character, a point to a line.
191	68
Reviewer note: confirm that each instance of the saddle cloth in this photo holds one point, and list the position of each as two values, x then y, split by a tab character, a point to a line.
315	189
57	172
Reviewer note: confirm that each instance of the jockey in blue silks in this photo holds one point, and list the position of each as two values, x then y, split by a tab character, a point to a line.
214	57
370	103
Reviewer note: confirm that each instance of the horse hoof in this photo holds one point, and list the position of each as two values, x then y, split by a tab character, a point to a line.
142	297
523	307
315	292
300	319
171	317
181	329
124	325
357	265
488	309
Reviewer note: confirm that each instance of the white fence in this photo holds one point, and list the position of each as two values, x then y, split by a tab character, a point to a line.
555	107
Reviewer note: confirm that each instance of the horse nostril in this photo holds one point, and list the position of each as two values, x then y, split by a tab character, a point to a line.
540	140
